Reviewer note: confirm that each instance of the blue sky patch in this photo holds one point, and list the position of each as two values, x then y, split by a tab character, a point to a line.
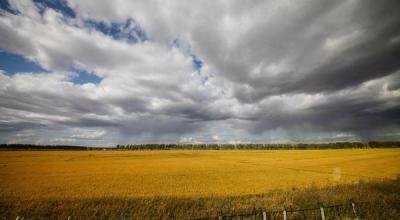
197	63
57	5
5	6
83	76
128	30
13	63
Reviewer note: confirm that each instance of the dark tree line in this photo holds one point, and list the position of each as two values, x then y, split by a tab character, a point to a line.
44	147
384	144
300	146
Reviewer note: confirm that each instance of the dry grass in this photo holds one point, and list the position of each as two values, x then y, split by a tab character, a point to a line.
144	184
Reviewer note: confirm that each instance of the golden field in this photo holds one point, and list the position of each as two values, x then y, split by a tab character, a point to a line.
93	174
33	177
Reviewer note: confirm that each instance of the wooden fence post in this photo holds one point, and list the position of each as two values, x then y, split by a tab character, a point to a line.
354	208
284	214
322	213
358	211
264	215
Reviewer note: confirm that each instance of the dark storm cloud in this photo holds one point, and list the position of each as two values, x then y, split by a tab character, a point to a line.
195	112
89	122
305	66
373	54
7	127
156	125
340	74
59	100
361	111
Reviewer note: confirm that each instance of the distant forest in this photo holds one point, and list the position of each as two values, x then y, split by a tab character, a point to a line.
300	146
44	147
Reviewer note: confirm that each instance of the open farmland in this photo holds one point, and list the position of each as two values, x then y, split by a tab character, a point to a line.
39	176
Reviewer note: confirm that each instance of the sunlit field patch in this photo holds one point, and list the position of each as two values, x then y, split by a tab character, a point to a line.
185	173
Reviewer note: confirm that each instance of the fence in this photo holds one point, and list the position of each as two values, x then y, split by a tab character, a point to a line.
345	210
322	212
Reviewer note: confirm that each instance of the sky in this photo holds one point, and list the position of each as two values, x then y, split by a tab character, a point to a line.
100	72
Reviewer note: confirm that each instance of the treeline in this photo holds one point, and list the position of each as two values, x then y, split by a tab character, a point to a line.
384	144
300	146
43	147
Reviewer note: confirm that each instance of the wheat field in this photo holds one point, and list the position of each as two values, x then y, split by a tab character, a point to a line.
186	174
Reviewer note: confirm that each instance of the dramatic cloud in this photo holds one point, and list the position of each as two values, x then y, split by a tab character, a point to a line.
208	71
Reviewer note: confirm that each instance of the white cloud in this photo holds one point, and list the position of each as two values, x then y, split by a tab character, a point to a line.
267	66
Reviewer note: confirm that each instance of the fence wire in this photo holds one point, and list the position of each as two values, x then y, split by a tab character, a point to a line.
335	211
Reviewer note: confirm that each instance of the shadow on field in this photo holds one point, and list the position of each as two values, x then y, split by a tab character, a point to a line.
379	199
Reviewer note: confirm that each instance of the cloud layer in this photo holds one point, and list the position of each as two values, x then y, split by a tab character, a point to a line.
201	71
